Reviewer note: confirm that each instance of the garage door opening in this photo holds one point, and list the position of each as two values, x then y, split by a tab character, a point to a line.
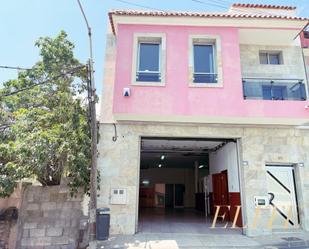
183	180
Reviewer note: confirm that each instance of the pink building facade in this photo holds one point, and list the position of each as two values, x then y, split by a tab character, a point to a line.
211	84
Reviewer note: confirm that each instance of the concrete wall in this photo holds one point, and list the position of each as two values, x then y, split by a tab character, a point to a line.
8	224
49	218
119	165
225	159
173	176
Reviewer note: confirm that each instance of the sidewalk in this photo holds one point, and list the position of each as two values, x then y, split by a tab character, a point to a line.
298	240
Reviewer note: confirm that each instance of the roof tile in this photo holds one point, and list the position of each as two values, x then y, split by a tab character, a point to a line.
203	14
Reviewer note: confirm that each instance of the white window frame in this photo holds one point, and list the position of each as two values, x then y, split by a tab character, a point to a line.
159	38
213	57
138	57
215	41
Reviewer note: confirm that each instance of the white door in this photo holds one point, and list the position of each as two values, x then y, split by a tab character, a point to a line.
282	196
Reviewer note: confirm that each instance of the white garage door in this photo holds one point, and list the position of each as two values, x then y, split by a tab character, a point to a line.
282	196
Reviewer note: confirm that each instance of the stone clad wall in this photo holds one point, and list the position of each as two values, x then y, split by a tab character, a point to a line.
292	67
49	218
119	165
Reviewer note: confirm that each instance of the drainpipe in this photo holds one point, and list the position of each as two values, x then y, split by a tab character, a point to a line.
306	71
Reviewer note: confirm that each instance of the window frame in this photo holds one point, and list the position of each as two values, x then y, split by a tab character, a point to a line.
215	41
213	59
268	53
155	38
138	60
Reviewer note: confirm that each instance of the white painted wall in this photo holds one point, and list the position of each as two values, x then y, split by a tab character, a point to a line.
172	176
225	158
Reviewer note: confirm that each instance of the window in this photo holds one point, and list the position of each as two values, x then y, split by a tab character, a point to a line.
148	66
274	58
204	63
149	59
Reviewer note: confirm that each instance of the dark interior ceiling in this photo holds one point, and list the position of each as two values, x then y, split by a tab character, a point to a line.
178	152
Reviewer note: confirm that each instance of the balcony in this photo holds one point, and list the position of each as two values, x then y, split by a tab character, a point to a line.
274	89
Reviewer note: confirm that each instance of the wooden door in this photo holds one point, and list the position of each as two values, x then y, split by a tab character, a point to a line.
221	193
225	194
216	187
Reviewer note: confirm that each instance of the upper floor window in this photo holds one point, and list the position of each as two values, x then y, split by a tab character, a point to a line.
148	62
204	63
274	58
149	59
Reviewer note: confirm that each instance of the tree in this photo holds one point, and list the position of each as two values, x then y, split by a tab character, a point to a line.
44	130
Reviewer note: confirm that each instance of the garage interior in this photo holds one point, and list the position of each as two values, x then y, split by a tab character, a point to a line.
182	180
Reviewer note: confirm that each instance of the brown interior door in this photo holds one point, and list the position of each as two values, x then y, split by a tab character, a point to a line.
220	192
216	187
225	194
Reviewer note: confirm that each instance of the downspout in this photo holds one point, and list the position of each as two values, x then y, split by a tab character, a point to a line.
304	61
306	71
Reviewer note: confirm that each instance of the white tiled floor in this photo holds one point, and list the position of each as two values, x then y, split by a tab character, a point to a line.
187	229
188	221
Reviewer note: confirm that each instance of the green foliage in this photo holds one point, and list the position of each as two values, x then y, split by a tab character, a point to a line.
44	133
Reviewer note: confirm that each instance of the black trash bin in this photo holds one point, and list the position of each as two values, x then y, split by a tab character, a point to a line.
103	220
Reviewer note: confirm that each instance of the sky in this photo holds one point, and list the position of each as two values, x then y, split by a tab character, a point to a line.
22	22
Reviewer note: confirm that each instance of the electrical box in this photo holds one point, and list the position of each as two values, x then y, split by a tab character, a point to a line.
118	196
126	92
261	201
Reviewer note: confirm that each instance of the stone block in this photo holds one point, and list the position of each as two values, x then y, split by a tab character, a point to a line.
44	241
64	240
33	206
33	247
67	205
77	205
75	223
54	231
58	197
60	223
52	214
26	233
71	232
49	205
30	197
34	213
30	225
52	247
37	232
69	246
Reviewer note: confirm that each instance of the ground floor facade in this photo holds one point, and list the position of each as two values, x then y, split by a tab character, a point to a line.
263	156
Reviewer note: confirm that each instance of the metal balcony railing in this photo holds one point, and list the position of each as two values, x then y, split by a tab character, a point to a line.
150	76
205	78
274	89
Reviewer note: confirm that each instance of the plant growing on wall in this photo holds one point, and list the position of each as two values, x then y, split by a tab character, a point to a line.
44	131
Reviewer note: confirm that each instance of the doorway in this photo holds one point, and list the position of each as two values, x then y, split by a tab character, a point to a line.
185	179
282	196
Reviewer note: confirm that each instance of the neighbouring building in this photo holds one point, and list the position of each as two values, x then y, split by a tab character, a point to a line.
201	110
